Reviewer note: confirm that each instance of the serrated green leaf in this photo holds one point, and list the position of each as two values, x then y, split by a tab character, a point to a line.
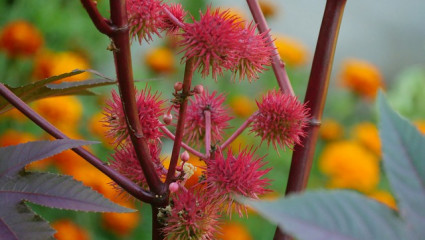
404	163
55	191
44	88
18	222
14	158
332	215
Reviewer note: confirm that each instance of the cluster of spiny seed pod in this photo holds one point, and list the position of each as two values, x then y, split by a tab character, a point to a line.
217	41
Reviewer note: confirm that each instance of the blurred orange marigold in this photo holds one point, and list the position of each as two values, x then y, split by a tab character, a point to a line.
160	60
420	124
67	230
361	77
49	64
63	112
20	38
121	223
349	165
367	134
234	231
292	51
331	130
384	197
243	106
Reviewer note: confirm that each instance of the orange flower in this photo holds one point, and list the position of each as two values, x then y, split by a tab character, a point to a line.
20	38
292	51
200	168
367	134
349	165
331	130
361	77
160	60
49	64
15	114
268	8
67	230
98	128
12	137
63	112
420	124
121	223
234	231
384	197
243	106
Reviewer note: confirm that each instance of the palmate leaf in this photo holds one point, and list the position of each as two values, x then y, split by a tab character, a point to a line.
14	158
44	88
17	221
404	163
55	191
332	215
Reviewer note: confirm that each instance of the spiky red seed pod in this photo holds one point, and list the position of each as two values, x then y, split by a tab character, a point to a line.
144	18
208	41
179	13
195	118
149	109
238	174
253	52
281	119
192	216
125	161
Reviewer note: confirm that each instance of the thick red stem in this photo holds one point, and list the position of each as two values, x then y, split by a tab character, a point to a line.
187	81
277	64
122	56
99	21
122	181
315	98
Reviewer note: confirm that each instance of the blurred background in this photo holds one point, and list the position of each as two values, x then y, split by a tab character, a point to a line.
381	45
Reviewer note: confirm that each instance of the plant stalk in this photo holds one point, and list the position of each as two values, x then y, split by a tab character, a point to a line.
238	131
187	81
100	22
277	64
184	145
128	185
315	98
207	115
123	66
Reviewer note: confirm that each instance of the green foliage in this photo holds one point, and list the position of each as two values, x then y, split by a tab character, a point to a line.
43	89
349	215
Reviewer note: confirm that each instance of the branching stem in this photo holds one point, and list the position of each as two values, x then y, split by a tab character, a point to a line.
187	81
184	145
238	131
277	64
132	188
207	115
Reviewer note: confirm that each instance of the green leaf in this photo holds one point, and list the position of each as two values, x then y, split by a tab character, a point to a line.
55	191
331	215
44	88
404	163
14	158
18	222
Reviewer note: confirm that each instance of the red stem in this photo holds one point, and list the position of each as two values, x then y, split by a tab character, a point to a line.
172	17
99	21
184	145
126	87
132	188
277	64
315	98
207	115
238	131
187	81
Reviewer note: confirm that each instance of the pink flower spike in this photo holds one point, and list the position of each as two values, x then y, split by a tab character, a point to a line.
252	54
143	17
210	41
149	108
167	24
239	174
192	216
125	161
195	118
281	119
